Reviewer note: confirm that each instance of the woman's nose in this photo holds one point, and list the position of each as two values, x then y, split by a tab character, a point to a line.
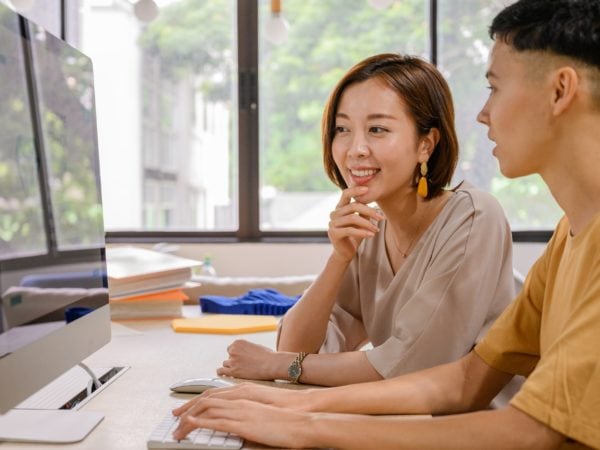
360	150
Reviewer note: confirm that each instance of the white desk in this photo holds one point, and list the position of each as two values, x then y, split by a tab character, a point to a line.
136	401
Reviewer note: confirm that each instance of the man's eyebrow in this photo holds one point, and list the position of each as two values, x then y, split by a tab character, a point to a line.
490	74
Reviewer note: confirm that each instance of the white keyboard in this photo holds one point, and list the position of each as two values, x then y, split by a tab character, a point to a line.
199	439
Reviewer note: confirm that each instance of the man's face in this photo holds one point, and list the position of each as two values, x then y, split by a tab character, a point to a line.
517	111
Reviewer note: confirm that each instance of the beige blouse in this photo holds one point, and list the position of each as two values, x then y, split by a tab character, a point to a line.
442	300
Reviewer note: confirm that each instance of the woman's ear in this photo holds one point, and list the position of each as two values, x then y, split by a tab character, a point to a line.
428	143
565	85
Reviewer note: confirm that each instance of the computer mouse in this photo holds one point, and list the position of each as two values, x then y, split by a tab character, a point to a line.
199	385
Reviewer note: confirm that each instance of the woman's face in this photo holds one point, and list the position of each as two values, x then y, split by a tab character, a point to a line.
375	142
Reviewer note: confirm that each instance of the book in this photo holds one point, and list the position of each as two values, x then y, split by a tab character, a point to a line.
225	324
134	271
167	304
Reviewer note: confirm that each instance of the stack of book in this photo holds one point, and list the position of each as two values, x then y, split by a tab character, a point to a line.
146	284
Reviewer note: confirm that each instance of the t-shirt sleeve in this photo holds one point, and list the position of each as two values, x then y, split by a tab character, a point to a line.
345	330
563	391
562	388
467	283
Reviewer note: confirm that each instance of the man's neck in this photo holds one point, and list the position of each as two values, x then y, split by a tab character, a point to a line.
573	178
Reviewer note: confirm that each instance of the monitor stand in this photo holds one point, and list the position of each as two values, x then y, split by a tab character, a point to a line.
51	426
52	414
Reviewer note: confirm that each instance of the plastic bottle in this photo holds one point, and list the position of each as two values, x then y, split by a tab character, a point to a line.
207	268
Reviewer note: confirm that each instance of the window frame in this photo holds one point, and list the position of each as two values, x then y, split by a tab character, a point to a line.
249	152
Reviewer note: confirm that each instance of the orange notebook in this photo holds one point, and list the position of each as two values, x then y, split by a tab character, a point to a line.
225	324
165	305
174	294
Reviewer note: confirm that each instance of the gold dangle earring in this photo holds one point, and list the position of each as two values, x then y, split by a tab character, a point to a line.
423	188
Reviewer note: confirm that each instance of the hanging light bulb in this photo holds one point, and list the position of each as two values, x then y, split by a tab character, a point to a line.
380	4
276	28
22	5
145	10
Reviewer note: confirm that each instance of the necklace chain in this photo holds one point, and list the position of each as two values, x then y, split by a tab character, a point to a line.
432	207
406	252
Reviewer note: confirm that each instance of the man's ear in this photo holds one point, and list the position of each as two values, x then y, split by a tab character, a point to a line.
565	85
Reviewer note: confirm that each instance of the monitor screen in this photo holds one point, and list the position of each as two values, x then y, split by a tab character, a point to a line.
53	287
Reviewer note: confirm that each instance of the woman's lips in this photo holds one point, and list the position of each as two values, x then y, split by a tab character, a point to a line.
363	176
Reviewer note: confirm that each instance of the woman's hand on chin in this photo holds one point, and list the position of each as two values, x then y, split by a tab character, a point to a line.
351	222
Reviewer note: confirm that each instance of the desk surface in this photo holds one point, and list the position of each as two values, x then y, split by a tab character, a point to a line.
157	357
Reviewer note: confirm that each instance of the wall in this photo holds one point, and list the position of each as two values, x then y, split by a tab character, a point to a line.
273	259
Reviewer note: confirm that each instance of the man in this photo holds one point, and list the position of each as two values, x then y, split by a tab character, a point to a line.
543	114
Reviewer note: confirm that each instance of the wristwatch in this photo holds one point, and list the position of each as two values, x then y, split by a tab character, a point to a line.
295	369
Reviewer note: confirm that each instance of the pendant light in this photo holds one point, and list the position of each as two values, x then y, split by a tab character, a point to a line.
276	28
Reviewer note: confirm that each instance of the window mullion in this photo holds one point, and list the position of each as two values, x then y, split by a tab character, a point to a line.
433	35
248	152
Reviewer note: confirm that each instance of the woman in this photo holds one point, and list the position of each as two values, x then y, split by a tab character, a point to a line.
422	275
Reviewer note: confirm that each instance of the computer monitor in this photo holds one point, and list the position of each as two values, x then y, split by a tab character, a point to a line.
53	286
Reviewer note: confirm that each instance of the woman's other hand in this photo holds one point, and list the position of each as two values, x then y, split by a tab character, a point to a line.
255	362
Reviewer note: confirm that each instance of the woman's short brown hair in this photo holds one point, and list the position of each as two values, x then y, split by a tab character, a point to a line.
428	99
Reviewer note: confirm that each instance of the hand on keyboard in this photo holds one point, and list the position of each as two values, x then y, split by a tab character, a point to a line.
199	439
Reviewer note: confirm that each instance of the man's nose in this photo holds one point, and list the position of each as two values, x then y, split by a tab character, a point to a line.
483	116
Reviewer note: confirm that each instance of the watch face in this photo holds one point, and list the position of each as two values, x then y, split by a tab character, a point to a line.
294	371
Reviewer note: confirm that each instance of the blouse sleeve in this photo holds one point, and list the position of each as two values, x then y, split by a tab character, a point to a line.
512	344
465	285
345	331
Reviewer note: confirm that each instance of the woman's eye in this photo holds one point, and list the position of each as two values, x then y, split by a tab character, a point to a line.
377	130
340	129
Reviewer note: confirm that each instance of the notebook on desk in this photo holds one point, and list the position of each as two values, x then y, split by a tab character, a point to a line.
225	324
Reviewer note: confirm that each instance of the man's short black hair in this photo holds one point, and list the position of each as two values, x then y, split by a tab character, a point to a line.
564	27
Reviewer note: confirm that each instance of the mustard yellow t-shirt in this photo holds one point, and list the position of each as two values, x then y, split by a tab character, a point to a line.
551	334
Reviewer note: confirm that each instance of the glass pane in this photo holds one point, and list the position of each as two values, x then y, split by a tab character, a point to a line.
65	89
21	223
464	45
43	12
325	39
167	111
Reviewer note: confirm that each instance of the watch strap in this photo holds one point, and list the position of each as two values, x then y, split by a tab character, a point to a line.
297	363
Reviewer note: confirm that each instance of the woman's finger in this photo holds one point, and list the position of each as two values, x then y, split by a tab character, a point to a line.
353	221
349	194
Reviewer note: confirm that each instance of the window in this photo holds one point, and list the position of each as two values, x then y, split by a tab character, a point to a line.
21	219
64	81
295	77
207	128
166	112
49	178
46	13
464	45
